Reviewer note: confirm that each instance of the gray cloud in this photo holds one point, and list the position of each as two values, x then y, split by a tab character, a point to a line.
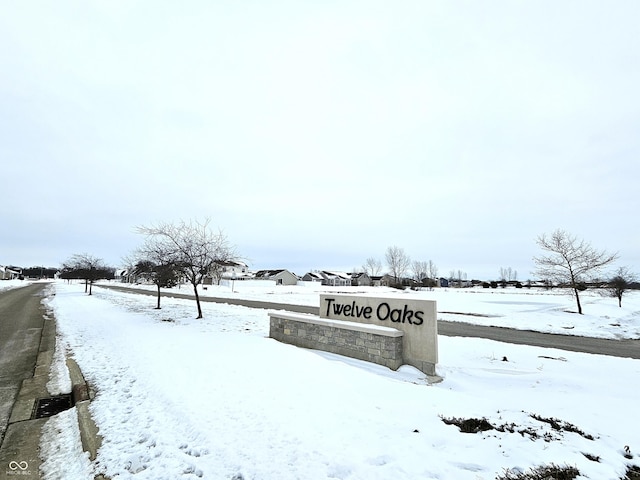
317	136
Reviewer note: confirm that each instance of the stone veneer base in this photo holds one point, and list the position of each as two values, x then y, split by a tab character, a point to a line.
371	343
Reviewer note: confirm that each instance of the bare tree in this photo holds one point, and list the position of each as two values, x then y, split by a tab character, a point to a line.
193	248
502	277
420	270
508	274
397	261
570	261
372	267
154	262
457	277
86	267
620	283
432	270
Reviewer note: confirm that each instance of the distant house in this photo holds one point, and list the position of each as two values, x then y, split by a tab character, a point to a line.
230	269
361	280
381	280
459	283
125	276
430	282
10	273
312	277
331	279
281	277
335	279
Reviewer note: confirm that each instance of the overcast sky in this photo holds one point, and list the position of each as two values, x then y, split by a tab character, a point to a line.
317	134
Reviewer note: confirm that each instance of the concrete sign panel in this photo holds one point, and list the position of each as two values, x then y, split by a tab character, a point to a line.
415	318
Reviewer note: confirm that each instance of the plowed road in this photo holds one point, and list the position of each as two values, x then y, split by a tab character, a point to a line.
21	323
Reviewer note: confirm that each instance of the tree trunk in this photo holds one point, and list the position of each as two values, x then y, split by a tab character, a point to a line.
195	291
158	306
575	292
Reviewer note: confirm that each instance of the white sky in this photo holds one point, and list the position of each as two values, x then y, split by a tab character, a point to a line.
316	136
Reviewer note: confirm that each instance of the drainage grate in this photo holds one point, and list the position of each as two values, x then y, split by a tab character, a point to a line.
47	407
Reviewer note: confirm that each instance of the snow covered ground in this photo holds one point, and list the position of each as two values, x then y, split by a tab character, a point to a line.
217	399
7	284
524	309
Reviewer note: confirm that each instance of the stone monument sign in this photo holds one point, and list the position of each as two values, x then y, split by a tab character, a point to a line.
415	318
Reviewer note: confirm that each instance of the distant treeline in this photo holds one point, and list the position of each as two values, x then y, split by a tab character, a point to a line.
40	272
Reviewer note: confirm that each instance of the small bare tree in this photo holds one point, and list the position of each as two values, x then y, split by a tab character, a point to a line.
398	262
570	261
432	271
154	262
372	267
86	267
620	283
193	248
508	274
420	270
457	277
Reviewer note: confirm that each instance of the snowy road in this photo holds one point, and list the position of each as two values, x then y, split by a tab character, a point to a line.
21	323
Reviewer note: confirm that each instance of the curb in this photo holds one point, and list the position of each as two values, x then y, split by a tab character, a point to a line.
82	395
